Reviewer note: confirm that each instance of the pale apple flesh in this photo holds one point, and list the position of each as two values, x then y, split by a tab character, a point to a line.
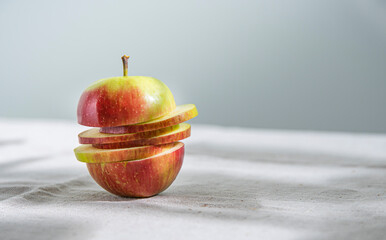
139	178
181	113
124	100
87	153
181	133
93	136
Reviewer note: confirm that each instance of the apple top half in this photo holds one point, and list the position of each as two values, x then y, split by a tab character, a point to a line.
124	100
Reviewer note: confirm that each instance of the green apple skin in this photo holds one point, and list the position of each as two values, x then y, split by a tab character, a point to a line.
87	153
181	114
139	178
124	100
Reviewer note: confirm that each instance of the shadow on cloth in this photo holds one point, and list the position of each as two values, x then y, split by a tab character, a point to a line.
251	199
11	142
42	227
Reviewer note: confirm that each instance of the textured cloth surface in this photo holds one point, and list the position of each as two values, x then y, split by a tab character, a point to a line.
235	184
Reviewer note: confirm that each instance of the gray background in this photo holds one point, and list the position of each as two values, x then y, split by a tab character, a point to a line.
317	65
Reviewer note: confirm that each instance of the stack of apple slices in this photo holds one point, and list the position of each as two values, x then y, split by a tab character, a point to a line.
138	160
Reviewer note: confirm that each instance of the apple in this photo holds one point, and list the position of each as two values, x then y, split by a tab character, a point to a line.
176	135
93	136
125	100
139	178
133	151
181	114
87	153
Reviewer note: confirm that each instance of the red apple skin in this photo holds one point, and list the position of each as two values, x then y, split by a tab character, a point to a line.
138	178
93	136
147	141
124	100
159	123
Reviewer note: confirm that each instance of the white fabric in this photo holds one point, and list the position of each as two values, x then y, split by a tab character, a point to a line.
235	184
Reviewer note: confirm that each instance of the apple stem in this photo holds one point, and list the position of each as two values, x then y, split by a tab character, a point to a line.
125	64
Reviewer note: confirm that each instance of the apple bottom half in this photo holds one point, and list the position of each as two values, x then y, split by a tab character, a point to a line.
138	178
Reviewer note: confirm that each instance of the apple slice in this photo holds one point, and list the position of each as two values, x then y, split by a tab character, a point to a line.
181	114
87	153
182	132
93	136
139	178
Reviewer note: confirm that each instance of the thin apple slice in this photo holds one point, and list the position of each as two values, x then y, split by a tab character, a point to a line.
139	178
87	153
181	114
93	136
182	132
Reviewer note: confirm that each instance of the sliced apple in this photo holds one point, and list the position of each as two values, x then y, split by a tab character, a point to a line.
87	153
182	132
93	136
181	114
139	178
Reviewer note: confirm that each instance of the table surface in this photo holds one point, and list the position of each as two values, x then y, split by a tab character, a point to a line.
235	184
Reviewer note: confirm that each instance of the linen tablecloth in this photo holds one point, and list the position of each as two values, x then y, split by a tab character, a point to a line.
235	183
